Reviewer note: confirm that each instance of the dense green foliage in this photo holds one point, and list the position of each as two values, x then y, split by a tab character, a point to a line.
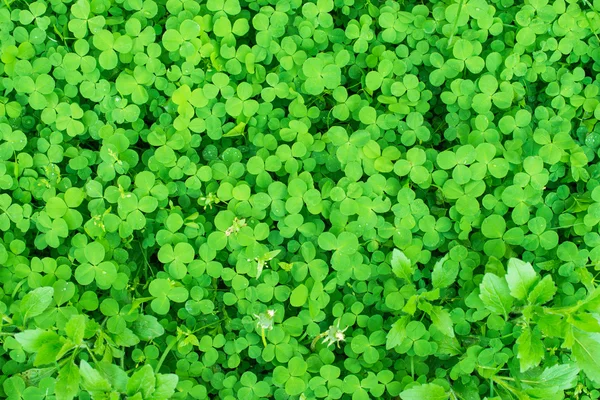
338	199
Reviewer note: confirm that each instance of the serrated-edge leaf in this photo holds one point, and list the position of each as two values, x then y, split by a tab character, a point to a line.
531	349
585	347
495	294
429	391
91	380
520	277
397	333
402	266
67	383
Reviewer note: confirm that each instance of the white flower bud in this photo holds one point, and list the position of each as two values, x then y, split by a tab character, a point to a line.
334	335
265	320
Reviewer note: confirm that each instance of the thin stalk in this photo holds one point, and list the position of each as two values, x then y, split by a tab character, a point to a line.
209	325
316	339
164	355
567	226
453	393
264	338
305	334
91	353
143	251
588	20
460	6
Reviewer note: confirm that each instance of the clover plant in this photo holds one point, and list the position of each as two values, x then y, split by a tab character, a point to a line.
286	199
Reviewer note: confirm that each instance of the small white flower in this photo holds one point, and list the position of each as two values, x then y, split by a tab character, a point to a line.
265	320
236	226
334	335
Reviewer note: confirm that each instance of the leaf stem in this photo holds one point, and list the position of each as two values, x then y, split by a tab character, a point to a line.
164	354
262	334
460	6
316	339
588	20
91	353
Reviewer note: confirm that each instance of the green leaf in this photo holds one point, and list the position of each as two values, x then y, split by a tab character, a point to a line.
67	383
75	328
142	381
14	387
495	294
94	253
585	348
444	272
397	333
531	349
115	375
520	277
441	319
402	266
165	386
49	352
33	339
92	381
299	296
147	327
295	386
36	302
493	227
429	391
56	207
81	9
543	292
561	377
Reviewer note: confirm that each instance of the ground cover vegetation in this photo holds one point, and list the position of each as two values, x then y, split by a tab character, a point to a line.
330	199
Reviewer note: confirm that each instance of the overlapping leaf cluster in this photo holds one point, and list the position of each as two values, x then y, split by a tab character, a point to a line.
330	199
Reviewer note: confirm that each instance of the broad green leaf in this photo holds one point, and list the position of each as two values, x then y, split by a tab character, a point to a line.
444	272
429	391
441	319
142	381
94	253
495	294
563	376
165	386
67	383
147	327
92	381
115	375
36	302
585	348
299	296
520	277
543	291
397	333
402	266
33	339
75	328
531	349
